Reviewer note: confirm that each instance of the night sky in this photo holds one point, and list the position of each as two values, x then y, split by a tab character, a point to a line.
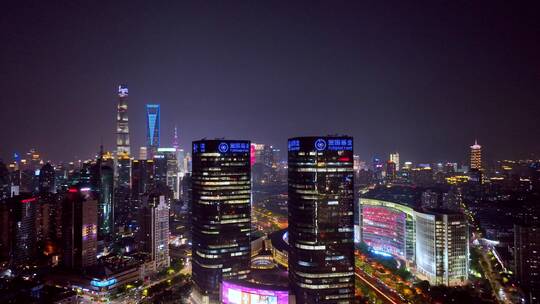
424	80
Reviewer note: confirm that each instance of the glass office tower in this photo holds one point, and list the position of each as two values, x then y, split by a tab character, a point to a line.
152	129
321	257
221	215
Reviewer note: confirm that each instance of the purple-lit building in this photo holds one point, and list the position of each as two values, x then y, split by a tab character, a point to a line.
433	242
251	293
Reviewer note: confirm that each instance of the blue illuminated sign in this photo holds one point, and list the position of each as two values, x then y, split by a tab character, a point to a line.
240	147
223	147
340	144
320	144
294	145
199	148
381	253
104	283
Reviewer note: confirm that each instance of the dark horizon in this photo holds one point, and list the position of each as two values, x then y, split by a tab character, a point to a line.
423	80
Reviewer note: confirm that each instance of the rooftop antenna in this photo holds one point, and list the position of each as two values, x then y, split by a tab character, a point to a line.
175	138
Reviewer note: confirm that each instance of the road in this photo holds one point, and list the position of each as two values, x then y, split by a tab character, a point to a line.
380	289
493	278
135	295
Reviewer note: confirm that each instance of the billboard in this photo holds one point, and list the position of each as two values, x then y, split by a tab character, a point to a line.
232	293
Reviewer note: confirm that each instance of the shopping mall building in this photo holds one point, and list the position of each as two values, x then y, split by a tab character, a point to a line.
433	243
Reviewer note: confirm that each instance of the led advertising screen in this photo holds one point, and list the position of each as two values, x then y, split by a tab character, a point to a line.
237	294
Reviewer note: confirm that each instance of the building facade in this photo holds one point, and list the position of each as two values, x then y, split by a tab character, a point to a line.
79	228
155	230
172	175
221	215
321	195
527	260
433	242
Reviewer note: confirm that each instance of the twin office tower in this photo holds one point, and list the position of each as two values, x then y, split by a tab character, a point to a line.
320	187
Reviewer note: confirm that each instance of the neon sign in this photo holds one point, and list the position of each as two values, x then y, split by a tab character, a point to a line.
294	145
240	147
29	200
223	147
340	144
103	283
320	144
122	91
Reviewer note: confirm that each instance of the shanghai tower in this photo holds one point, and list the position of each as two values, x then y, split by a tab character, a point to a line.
122	127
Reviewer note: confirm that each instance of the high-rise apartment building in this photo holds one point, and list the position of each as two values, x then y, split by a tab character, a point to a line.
152	129
24	214
221	215
122	127
321	228
155	230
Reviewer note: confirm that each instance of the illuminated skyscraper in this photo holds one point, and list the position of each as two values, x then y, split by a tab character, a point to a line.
152	129
24	230
476	156
321	195
394	157
221	215
171	169
79	228
122	127
442	248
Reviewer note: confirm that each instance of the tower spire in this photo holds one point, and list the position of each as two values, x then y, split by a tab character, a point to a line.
175	138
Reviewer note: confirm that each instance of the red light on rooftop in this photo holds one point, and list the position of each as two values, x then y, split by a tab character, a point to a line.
29	200
73	190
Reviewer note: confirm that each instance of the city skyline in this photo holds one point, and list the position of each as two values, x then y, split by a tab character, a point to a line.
270	152
424	88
